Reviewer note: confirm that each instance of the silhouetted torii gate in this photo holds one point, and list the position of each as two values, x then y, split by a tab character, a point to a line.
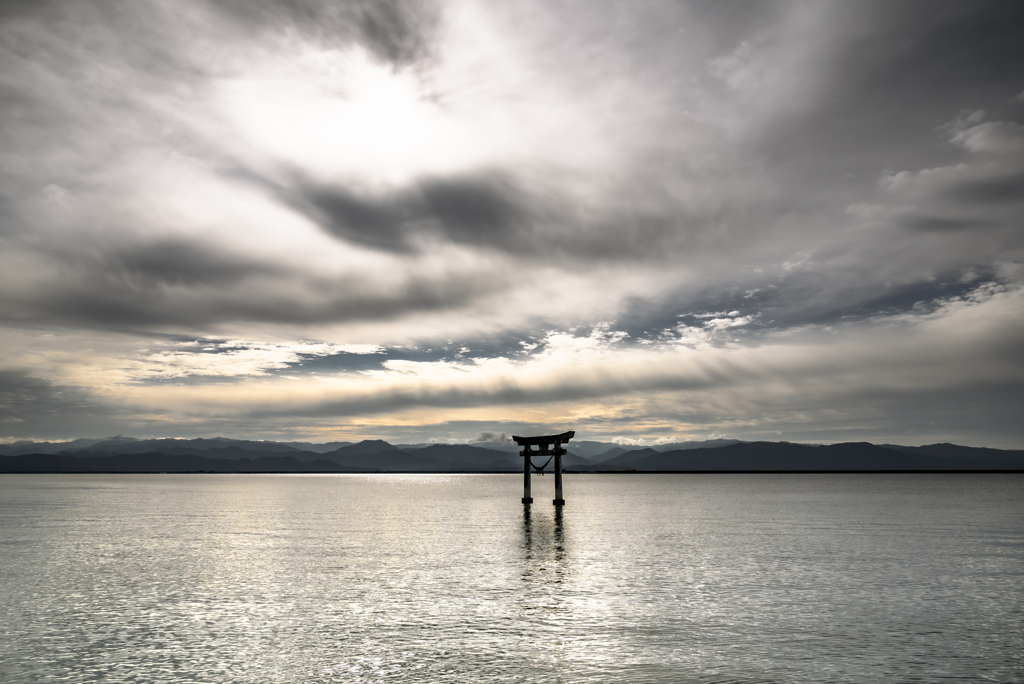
550	445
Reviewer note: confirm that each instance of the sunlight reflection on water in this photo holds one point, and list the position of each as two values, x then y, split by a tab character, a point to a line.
680	578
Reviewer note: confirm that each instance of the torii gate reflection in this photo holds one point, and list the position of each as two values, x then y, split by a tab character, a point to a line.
549	445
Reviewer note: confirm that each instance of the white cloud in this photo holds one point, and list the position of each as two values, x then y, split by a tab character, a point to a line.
233	358
723	323
716	314
996	137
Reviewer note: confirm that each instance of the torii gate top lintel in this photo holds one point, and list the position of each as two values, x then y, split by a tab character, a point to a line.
544	441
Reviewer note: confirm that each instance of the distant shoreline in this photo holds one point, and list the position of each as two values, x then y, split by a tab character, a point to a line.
511	472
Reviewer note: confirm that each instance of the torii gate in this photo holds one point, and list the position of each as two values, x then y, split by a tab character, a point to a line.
550	445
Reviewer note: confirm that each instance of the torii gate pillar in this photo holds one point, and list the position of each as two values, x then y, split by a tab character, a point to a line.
527	463
550	445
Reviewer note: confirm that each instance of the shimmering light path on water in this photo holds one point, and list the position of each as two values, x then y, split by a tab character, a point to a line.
434	578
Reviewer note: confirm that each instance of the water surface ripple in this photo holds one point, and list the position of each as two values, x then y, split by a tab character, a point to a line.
449	578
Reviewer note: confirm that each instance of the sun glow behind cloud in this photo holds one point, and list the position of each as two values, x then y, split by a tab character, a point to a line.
342	115
346	116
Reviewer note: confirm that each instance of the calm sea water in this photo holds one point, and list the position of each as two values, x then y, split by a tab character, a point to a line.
437	578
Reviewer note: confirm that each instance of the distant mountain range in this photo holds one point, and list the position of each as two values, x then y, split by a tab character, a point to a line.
223	455
785	456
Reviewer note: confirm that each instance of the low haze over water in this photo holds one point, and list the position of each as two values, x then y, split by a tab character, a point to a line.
427	578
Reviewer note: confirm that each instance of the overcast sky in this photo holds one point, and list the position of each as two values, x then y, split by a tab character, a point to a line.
647	221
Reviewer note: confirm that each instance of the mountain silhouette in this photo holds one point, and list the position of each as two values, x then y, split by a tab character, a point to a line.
786	456
224	455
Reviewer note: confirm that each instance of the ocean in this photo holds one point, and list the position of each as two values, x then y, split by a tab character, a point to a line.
450	578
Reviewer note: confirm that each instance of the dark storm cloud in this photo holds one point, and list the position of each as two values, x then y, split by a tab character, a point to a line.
357	219
475	210
192	285
501	212
791	301
485	210
174	262
129	284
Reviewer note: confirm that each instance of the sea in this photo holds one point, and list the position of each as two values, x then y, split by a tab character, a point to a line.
450	578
